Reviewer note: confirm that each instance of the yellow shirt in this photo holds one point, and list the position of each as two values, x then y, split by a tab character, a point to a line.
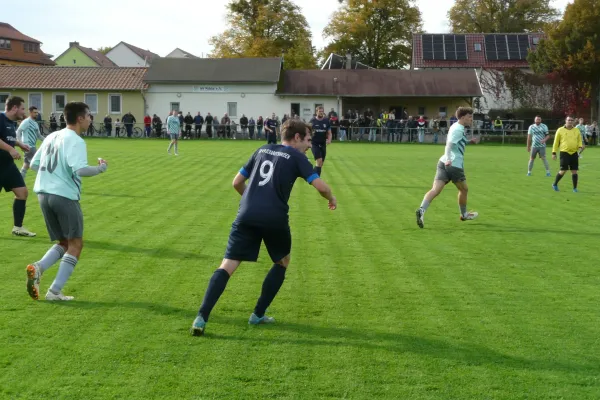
567	140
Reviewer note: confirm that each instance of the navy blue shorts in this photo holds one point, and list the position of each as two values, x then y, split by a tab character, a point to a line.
319	150
245	239
10	178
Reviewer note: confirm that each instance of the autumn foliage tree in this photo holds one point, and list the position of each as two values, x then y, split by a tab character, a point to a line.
570	54
266	28
501	16
378	33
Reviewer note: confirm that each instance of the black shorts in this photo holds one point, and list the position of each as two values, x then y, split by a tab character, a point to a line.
319	150
569	161
245	239
272	138
10	178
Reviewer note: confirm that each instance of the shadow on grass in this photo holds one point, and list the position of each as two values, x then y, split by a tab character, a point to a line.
381	186
527	229
129	196
154	252
365	339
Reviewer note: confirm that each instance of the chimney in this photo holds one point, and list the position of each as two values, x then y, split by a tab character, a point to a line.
348	60
73	44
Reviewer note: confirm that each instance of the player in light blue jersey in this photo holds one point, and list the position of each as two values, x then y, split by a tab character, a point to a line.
173	130
583	129
60	163
29	133
537	136
451	167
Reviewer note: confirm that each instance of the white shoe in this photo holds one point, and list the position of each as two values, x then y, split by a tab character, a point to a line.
176	154
58	297
470	215
22	231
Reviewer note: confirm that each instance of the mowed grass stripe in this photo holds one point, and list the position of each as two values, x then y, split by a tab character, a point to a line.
372	307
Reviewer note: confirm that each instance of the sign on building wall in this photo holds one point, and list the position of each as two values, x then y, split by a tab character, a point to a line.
210	89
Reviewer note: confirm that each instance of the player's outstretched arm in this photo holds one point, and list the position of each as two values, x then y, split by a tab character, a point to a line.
239	183
325	191
93	171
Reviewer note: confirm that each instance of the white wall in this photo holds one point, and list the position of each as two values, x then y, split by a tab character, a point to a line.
253	100
124	57
177	53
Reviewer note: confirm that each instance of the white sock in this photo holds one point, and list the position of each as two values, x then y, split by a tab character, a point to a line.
170	145
66	268
54	254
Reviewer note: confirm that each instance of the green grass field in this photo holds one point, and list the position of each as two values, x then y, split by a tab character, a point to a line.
504	307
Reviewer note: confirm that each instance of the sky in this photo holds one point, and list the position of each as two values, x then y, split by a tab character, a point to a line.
161	28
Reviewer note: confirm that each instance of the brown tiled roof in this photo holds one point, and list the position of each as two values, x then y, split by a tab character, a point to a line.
380	83
98	57
8	32
72	78
144	54
33	58
475	59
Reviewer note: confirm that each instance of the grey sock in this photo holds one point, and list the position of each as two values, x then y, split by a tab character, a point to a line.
530	166
463	209
66	268
176	148
170	145
546	165
23	172
425	205
55	253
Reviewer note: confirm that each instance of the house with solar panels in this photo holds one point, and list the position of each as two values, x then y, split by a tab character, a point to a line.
487	54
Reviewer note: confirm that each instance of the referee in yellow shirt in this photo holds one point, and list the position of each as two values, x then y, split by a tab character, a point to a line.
568	141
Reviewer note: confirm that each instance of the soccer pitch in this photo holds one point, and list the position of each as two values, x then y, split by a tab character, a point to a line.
503	307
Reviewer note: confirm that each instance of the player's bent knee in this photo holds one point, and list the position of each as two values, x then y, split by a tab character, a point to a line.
285	261
21	193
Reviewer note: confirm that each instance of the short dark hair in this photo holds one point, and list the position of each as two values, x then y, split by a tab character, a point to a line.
74	110
13	101
462	111
32	108
293	126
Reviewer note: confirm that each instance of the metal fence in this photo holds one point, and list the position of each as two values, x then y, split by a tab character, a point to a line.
385	134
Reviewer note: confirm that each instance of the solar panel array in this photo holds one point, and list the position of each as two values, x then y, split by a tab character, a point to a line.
444	47
506	47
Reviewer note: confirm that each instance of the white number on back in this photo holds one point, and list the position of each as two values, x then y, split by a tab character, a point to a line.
266	172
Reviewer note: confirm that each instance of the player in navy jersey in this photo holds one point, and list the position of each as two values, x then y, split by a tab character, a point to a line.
263	216
271	129
321	128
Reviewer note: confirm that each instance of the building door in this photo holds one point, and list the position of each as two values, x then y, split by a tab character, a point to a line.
295	107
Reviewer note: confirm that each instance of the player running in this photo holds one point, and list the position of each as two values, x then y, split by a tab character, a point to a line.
321	138
263	216
451	167
537	136
60	163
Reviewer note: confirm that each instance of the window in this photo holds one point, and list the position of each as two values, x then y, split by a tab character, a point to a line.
5	44
30	47
443	111
536	41
421	110
60	99
114	103
318	105
92	101
3	97
175	107
232	109
477	46
35	100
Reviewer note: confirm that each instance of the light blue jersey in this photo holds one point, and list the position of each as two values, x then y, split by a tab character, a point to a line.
583	129
173	125
59	157
457	142
538	133
29	132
